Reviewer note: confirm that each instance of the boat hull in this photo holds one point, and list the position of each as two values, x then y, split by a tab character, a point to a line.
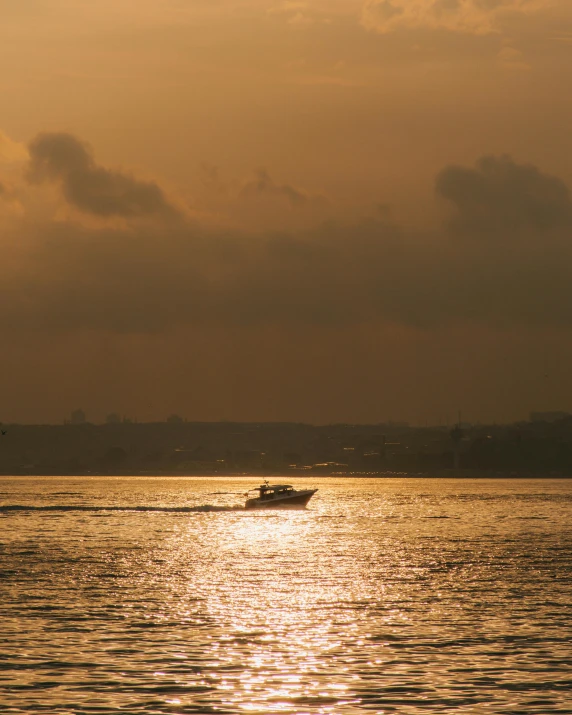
296	501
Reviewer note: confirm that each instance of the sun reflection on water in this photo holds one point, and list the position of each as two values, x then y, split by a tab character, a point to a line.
280	618
360	603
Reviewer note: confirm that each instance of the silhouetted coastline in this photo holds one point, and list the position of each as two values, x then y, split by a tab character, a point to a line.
177	448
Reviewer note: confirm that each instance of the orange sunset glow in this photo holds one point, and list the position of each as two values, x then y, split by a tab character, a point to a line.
350	210
286	335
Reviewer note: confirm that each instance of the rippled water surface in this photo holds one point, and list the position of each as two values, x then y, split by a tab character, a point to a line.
143	595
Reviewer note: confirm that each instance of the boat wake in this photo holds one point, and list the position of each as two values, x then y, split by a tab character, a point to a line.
10	508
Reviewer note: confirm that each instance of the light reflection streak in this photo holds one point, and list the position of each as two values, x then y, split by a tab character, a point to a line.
295	613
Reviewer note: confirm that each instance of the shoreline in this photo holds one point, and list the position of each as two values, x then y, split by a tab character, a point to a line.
389	474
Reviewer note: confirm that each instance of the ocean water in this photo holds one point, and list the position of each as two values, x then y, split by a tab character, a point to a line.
162	595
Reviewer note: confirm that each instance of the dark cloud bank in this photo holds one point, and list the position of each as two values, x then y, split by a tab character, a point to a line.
89	187
503	257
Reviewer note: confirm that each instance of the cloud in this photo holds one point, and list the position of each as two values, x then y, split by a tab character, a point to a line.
6	192
512	59
211	177
263	185
500	195
465	16
300	14
69	279
9	203
89	187
11	151
156	276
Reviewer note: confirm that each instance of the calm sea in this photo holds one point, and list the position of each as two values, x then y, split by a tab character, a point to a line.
161	595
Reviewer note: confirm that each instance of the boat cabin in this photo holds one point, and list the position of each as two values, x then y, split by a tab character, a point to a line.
272	491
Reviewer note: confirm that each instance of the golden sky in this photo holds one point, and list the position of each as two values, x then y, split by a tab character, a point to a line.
349	210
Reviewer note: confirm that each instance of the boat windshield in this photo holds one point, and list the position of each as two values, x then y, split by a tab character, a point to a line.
273	489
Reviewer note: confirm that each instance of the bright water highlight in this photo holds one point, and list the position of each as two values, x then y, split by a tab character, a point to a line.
143	595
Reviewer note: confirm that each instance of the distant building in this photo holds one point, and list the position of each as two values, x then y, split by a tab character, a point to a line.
77	417
548	416
175	419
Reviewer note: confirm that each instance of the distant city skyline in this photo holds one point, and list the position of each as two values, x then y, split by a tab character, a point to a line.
79	416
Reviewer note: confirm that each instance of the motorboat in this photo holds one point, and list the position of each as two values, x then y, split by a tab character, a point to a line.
278	496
